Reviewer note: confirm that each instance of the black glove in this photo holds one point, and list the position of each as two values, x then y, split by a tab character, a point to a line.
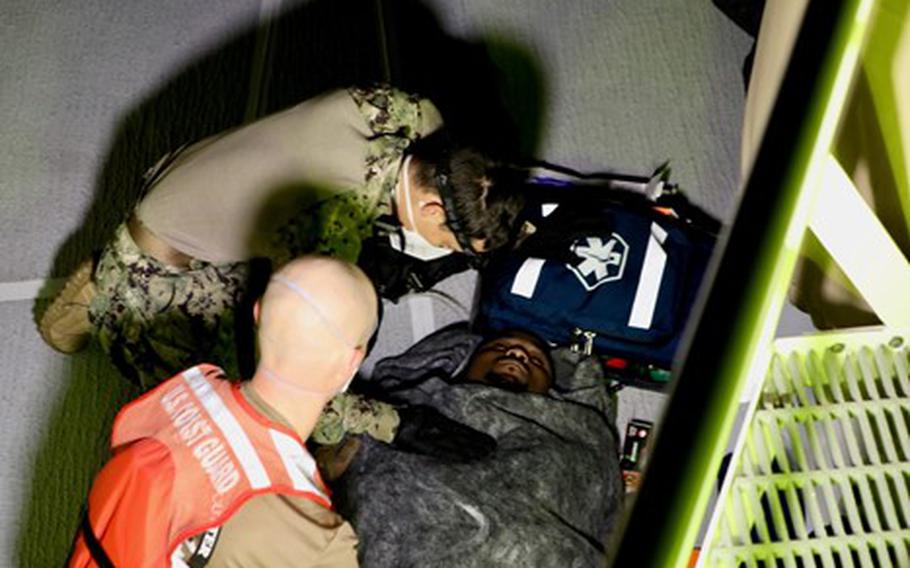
423	430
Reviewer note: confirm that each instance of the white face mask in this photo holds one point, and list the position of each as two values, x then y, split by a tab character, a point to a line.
347	385
415	244
281	381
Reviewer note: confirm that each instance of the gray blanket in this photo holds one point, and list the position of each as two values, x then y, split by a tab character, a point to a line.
548	496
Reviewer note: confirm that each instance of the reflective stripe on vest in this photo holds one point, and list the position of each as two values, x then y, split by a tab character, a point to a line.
230	429
223	451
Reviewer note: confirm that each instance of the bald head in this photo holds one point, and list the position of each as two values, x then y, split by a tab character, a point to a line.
315	313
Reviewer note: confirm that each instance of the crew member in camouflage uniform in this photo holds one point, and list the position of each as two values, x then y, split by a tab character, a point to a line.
310	179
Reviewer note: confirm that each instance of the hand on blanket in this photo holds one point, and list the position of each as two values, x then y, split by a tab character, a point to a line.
423	430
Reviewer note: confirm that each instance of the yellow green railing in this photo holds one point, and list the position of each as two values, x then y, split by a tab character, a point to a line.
728	345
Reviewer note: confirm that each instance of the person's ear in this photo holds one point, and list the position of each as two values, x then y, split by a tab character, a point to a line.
433	210
257	311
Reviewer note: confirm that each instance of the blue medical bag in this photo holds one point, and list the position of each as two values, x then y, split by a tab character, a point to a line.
618	272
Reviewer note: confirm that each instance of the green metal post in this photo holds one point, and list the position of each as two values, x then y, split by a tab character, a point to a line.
728	341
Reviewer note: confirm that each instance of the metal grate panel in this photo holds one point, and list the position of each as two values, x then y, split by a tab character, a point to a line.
823	476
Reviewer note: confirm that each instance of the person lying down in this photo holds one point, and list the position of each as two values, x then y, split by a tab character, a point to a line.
549	493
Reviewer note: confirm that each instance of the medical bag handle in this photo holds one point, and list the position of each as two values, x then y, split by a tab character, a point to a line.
555	183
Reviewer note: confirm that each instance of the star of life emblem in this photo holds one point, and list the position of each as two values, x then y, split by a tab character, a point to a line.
599	262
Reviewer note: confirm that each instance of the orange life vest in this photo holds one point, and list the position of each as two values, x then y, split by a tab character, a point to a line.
223	452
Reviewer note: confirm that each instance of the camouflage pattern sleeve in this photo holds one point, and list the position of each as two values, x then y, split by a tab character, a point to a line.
333	227
388	110
349	413
337	225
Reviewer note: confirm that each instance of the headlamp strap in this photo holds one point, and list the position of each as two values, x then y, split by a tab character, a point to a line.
446	193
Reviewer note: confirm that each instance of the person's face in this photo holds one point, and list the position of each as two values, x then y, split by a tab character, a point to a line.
517	361
440	235
431	222
430	218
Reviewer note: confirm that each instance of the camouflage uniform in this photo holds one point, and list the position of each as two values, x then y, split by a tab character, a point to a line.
337	225
157	320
